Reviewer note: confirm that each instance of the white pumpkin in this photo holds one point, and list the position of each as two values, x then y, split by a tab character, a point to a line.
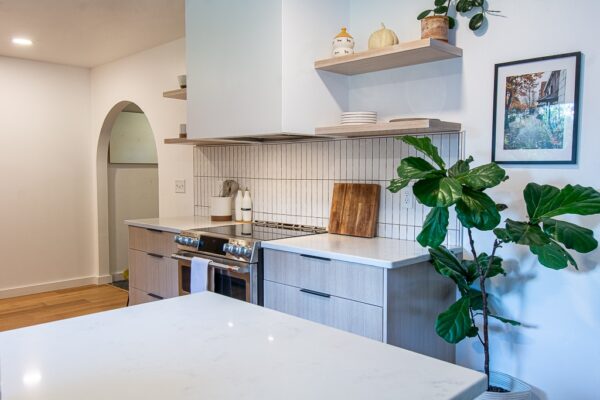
382	38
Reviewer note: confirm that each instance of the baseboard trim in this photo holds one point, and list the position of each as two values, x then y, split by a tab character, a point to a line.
56	285
118	276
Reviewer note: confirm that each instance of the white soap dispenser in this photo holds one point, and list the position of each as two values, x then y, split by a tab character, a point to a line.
238	205
247	207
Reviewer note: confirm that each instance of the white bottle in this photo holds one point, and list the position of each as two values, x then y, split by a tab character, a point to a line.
247	207
238	205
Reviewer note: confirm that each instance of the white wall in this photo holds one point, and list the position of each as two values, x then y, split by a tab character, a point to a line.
141	79
132	194
558	351
45	175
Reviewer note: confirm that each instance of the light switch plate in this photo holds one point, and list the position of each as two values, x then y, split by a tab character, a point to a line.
180	186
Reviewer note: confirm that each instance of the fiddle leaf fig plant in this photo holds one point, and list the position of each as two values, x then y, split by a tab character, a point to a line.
463	188
476	9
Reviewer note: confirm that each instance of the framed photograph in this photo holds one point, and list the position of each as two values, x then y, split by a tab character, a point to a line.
536	110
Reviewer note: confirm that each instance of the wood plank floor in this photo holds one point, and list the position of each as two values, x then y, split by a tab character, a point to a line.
19	312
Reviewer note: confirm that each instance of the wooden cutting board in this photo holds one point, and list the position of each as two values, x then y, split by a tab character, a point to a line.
354	209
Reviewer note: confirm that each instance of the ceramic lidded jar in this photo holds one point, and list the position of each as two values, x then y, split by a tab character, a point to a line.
343	44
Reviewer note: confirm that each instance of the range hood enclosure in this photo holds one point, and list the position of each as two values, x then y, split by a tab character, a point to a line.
251	66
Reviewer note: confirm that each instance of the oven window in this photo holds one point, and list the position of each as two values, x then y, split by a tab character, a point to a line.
230	286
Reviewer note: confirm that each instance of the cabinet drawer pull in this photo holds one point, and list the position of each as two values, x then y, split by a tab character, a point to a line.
154	230
315	257
155	296
155	255
315	293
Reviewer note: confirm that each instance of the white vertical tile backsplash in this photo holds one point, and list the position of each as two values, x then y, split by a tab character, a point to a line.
293	182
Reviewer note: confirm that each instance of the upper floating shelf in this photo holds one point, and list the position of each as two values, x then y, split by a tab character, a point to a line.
400	55
179	94
405	127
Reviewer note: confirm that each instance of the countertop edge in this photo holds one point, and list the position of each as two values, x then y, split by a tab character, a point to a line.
373	262
163	228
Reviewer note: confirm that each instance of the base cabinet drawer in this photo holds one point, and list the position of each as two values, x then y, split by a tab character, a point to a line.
156	275
152	241
137	296
351	316
338	278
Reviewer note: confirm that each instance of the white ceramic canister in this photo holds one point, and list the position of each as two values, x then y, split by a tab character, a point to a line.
220	208
247	207
343	44
238	206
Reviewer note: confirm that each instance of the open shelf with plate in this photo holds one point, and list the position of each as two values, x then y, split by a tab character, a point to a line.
400	55
397	128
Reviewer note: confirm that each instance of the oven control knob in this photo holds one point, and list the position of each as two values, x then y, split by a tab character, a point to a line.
246	252
228	248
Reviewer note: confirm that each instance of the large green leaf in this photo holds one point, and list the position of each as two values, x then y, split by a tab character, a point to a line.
460	167
397	185
454	324
572	236
447	264
494	269
477	210
438	192
526	234
435	228
545	201
505	320
425	146
417	168
483	177
471	271
553	256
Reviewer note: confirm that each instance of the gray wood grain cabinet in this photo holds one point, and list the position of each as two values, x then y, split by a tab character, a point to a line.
397	306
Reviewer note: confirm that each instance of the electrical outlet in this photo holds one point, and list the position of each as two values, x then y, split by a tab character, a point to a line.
407	200
180	186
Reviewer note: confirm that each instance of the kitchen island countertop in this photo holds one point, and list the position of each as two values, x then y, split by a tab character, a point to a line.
376	252
207	346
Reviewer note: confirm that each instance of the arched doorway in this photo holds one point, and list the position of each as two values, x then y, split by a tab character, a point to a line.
127	176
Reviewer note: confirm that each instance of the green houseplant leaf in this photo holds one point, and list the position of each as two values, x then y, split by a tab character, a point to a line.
546	201
425	146
476	21
438	192
572	236
483	177
553	256
435	228
397	185
461	167
447	264
477	210
417	168
454	324
526	234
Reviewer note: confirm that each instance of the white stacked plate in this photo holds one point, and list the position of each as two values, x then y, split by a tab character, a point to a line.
359	118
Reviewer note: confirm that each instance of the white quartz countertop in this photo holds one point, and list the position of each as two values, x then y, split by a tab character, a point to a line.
176	224
207	346
377	252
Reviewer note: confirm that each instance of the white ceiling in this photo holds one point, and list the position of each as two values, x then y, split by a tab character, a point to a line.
88	33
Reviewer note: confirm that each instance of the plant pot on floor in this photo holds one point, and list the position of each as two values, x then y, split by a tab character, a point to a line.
435	27
517	389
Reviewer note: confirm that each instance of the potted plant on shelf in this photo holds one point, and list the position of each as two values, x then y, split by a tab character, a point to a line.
436	22
464	189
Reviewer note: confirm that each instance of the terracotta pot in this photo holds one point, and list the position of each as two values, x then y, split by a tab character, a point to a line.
435	27
519	390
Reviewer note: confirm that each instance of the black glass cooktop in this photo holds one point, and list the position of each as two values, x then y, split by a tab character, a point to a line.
263	231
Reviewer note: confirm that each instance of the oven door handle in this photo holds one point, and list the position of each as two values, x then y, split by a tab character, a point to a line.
210	264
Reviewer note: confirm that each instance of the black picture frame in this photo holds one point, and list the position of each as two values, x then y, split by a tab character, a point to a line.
570	154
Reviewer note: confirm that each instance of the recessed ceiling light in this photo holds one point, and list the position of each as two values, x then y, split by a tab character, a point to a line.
22	41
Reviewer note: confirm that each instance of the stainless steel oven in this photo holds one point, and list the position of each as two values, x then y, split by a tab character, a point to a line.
228	277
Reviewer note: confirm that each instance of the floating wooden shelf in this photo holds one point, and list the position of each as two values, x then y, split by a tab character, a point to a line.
405	127
179	94
400	55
